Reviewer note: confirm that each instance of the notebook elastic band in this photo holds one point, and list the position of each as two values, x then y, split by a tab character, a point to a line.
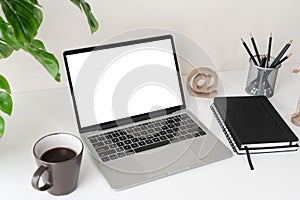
249	158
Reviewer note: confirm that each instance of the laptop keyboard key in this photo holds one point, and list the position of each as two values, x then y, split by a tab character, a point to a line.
142	138
129	152
100	149
182	138
137	129
113	156
127	147
93	140
134	140
109	136
107	142
127	142
157	129
106	153
137	134
188	136
151	130
149	141
202	133
142	143
101	138
104	159
119	149
163	133
99	144
149	136
115	140
144	132
169	131
170	136
121	154
162	137
122	138
120	144
151	146
134	145
129	136
174	140
112	146
115	135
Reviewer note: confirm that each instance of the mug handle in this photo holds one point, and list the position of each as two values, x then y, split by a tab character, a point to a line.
36	177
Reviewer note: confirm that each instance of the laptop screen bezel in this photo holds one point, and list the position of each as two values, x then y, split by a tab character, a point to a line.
128	120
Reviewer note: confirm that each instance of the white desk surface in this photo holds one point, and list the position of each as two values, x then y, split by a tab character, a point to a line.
276	176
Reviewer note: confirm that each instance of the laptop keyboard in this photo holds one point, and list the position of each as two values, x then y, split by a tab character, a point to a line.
124	142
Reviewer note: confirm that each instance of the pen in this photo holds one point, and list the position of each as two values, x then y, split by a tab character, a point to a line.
255	48
249	52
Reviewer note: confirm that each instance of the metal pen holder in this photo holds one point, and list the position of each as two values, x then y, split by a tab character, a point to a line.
261	81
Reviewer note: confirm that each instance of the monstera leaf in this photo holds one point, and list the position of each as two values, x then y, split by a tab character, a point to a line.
82	5
37	49
5	101
18	30
24	16
8	42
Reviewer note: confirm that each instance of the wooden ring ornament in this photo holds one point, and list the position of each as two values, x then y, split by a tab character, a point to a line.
204	76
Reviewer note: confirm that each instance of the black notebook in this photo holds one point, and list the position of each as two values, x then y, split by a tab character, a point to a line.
251	124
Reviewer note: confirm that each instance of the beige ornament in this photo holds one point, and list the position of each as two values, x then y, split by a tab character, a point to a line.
295	119
202	82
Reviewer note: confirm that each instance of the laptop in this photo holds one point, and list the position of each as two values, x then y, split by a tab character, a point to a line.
131	112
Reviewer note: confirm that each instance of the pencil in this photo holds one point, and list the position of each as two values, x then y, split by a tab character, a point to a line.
263	61
249	52
283	59
269	49
255	48
285	48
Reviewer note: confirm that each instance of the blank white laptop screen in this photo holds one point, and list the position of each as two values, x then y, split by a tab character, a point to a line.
124	81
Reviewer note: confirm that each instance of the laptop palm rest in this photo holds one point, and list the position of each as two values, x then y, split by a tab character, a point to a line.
161	162
150	161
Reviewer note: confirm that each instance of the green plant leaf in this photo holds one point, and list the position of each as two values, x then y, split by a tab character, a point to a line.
4	84
77	3
5	102
7	35
5	50
90	17
35	2
37	49
2	126
38	44
92	21
24	17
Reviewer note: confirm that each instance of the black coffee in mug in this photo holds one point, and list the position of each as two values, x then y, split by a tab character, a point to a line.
59	154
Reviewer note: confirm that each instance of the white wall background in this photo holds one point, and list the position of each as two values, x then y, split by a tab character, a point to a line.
214	24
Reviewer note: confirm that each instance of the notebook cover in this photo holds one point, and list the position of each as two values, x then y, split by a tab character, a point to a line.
252	150
253	120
